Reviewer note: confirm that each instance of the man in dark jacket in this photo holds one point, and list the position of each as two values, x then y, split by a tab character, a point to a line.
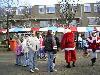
49	44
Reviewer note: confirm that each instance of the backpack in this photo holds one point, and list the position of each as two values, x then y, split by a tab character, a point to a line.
48	43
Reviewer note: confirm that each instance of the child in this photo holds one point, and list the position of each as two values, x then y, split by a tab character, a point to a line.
41	50
18	52
85	45
25	50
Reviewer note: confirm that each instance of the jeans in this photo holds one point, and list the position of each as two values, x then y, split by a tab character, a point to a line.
18	59
32	59
50	61
26	59
79	44
41	52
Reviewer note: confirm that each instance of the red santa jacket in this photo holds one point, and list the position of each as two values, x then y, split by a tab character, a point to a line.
93	43
67	41
98	43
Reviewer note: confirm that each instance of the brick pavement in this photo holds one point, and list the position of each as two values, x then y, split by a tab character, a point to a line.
83	67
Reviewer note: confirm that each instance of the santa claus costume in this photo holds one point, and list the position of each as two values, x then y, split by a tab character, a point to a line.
93	46
68	45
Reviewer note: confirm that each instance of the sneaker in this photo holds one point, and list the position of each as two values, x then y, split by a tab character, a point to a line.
55	70
45	59
32	71
36	69
24	65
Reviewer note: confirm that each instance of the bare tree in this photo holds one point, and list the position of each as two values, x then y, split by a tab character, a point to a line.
68	10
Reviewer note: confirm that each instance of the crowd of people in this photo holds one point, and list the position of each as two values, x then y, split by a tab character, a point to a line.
46	47
33	47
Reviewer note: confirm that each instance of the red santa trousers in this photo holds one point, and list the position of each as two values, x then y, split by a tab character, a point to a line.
70	56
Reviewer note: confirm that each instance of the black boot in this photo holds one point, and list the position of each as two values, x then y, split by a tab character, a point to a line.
68	66
93	60
73	64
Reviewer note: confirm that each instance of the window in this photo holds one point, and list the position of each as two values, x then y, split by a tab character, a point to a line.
95	8
30	10
42	9
74	22
74	8
87	8
94	20
43	23
50	9
20	11
47	23
1	11
98	8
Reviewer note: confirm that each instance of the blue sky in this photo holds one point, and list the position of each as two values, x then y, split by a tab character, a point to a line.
43	2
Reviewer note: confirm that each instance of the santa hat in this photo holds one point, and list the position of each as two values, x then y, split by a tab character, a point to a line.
94	31
67	30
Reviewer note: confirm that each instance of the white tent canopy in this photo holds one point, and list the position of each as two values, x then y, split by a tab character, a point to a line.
81	29
60	29
43	29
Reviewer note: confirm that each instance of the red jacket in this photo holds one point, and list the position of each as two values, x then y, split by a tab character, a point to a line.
92	42
68	40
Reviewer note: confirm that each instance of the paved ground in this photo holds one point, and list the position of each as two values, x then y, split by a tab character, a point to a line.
7	67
